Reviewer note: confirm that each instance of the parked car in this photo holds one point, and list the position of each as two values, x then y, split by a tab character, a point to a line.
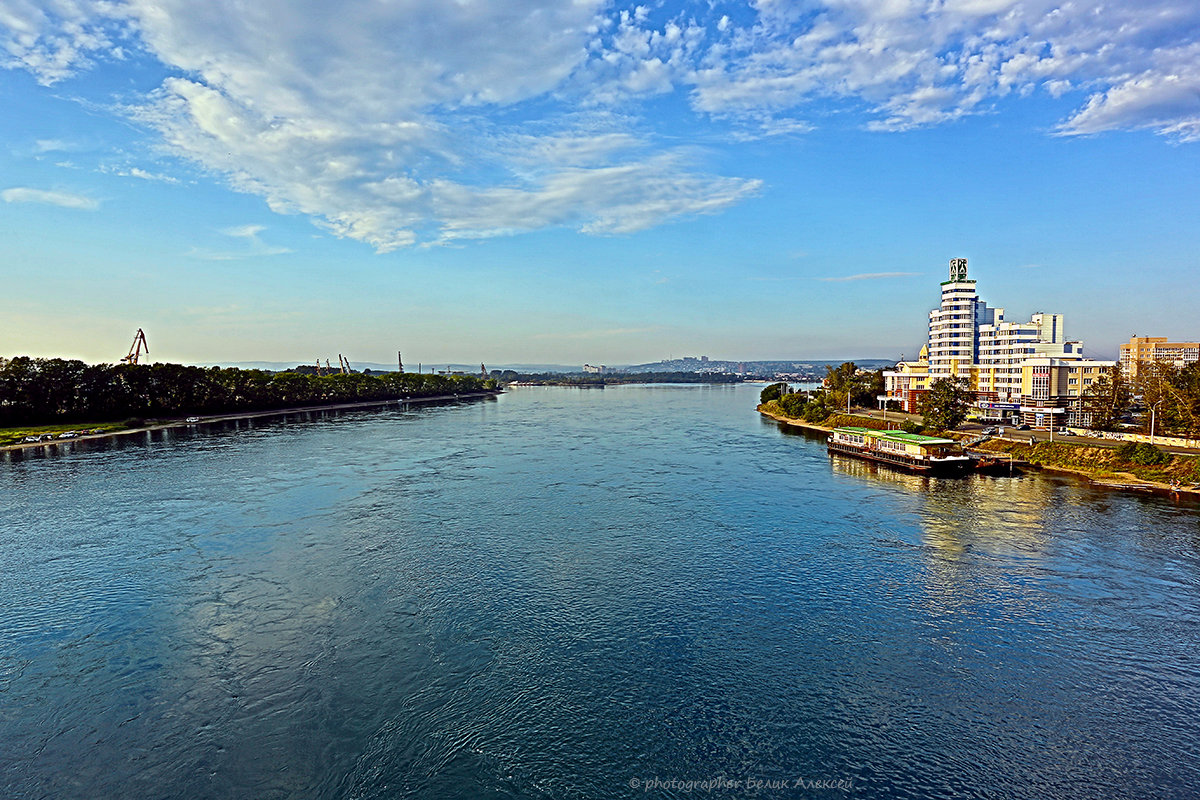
988	431
1022	427
192	419
33	439
68	434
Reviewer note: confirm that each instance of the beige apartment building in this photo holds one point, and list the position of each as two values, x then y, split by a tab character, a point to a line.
1147	349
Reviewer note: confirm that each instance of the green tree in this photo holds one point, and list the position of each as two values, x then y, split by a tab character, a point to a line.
1174	395
944	406
772	392
793	405
847	379
1106	400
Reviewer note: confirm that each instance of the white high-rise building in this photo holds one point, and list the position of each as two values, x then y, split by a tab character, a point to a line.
971	340
954	326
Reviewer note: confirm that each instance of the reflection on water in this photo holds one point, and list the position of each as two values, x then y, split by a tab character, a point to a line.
562	592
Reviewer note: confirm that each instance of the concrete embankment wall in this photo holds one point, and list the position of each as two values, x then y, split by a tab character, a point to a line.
1122	436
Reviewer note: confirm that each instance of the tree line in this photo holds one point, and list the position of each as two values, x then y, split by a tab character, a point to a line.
844	386
45	391
1167	395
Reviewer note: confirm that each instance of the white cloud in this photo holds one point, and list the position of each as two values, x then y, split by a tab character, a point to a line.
1169	104
22	194
139	173
54	38
916	63
425	121
375	121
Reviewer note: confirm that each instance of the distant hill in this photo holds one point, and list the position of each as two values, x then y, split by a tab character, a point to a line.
764	368
772	367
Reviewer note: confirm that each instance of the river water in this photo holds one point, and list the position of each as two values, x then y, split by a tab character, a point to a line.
565	593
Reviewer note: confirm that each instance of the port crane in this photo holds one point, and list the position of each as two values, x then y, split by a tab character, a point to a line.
345	364
137	348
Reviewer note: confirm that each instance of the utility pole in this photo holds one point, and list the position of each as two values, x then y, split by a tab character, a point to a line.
399	361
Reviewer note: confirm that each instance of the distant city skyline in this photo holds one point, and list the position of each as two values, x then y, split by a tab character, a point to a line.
589	182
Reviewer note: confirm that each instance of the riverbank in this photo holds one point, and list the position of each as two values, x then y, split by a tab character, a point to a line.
159	425
1178	478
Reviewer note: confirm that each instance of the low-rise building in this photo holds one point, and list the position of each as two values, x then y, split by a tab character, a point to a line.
1054	389
908	381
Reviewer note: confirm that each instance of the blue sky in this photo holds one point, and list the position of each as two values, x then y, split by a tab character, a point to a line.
589	182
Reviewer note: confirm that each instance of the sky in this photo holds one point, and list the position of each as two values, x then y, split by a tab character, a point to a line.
576	181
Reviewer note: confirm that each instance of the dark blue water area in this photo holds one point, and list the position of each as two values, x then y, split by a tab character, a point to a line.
564	593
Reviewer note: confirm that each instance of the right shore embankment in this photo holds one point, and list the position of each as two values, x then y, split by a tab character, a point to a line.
1179	477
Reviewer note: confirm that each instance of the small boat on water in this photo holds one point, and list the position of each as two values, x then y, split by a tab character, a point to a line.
911	451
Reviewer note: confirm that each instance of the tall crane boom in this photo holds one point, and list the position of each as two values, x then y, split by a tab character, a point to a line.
137	348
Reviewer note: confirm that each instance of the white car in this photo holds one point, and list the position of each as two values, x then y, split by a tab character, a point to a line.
192	419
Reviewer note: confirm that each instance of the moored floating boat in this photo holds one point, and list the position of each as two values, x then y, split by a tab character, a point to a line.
911	451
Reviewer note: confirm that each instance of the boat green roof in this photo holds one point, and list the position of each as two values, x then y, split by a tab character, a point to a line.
897	436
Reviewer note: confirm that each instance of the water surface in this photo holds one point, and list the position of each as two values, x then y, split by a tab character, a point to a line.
571	593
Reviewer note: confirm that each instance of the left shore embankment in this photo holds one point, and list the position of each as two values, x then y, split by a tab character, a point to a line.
275	412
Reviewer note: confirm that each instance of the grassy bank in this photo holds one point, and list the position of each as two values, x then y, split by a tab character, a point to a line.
772	409
17	435
1099	463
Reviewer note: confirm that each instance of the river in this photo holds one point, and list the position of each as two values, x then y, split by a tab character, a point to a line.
637	591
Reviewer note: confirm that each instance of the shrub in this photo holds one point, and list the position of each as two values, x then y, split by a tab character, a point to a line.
1142	453
909	426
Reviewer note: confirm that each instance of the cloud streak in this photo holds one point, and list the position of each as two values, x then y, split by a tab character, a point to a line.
23	194
255	247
